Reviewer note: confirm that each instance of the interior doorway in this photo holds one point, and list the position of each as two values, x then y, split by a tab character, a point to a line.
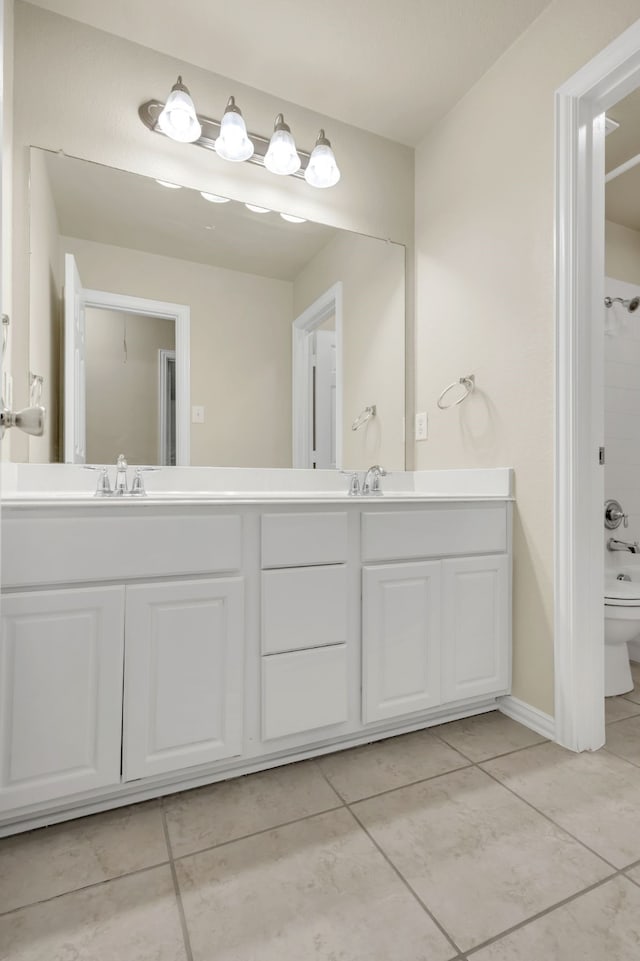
317	383
581	105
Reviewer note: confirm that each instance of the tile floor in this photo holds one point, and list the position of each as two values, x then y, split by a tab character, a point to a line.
475	839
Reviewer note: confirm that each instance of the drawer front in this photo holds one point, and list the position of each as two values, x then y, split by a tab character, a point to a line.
294	540
402	535
303	607
109	546
303	691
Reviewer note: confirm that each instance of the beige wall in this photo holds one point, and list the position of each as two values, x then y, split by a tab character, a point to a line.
122	384
240	347
80	90
45	289
622	253
372	275
485	293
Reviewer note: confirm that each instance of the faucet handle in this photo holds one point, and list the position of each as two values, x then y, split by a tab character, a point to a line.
137	485
354	483
103	488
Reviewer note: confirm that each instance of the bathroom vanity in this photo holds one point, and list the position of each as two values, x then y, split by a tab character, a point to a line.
156	644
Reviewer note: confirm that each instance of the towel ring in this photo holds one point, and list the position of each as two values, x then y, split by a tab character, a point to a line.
468	384
364	416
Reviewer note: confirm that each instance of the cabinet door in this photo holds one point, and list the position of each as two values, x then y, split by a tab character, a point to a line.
60	693
476	655
401	639
184	650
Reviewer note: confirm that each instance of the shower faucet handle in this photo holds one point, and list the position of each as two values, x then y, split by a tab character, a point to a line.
614	515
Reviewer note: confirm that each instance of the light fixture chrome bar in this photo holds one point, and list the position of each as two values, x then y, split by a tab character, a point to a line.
151	110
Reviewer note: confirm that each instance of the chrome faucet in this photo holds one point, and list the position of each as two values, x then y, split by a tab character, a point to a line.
354	482
371	483
122	484
614	545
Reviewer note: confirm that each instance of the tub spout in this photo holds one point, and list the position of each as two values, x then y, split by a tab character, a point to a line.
614	545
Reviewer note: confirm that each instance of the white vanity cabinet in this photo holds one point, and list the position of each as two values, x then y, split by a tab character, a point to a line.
434	632
61	663
184	659
152	647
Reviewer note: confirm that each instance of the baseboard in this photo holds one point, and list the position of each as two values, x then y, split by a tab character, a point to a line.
530	716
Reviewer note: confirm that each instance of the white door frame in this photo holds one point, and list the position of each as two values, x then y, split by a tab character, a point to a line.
164	356
579	479
179	313
330	302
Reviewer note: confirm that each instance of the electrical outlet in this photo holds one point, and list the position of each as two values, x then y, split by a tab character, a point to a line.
421	426
197	415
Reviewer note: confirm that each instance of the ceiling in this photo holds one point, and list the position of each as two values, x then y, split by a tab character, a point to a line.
393	67
622	195
115	207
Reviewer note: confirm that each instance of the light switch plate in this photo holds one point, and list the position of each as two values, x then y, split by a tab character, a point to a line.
197	415
421	426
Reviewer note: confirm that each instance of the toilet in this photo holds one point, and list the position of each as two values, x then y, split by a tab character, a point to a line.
621	625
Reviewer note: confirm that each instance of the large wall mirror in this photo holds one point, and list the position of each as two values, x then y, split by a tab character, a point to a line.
195	330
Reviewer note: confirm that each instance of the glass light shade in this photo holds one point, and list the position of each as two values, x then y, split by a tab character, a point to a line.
233	143
257	210
282	156
293	219
178	119
167	183
322	169
214	198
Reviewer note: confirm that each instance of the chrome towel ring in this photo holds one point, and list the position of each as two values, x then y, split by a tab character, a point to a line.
364	416
468	385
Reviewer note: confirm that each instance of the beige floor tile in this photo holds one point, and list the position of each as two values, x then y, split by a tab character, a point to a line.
623	739
42	864
486	735
232	809
618	708
130	919
634	695
388	764
595	796
479	858
634	874
315	889
603	925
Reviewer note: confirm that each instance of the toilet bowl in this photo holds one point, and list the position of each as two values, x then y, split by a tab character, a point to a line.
621	625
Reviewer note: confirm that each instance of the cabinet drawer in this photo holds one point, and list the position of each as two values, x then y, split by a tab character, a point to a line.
303	607
304	690
113	544
294	540
441	532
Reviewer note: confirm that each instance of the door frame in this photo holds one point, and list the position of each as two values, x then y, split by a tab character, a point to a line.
579	401
181	315
164	358
328	303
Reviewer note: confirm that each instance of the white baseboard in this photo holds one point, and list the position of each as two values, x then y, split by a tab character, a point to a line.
530	716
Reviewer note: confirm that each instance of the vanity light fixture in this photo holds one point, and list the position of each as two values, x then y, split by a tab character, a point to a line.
293	220
231	141
214	198
257	210
282	157
166	183
179	119
322	169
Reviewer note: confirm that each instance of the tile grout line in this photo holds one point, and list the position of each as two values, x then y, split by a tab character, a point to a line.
174	874
548	818
404	881
400	876
495	757
84	887
620	757
255	834
546	911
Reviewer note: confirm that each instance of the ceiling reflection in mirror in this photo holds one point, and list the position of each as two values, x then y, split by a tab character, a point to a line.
199	331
